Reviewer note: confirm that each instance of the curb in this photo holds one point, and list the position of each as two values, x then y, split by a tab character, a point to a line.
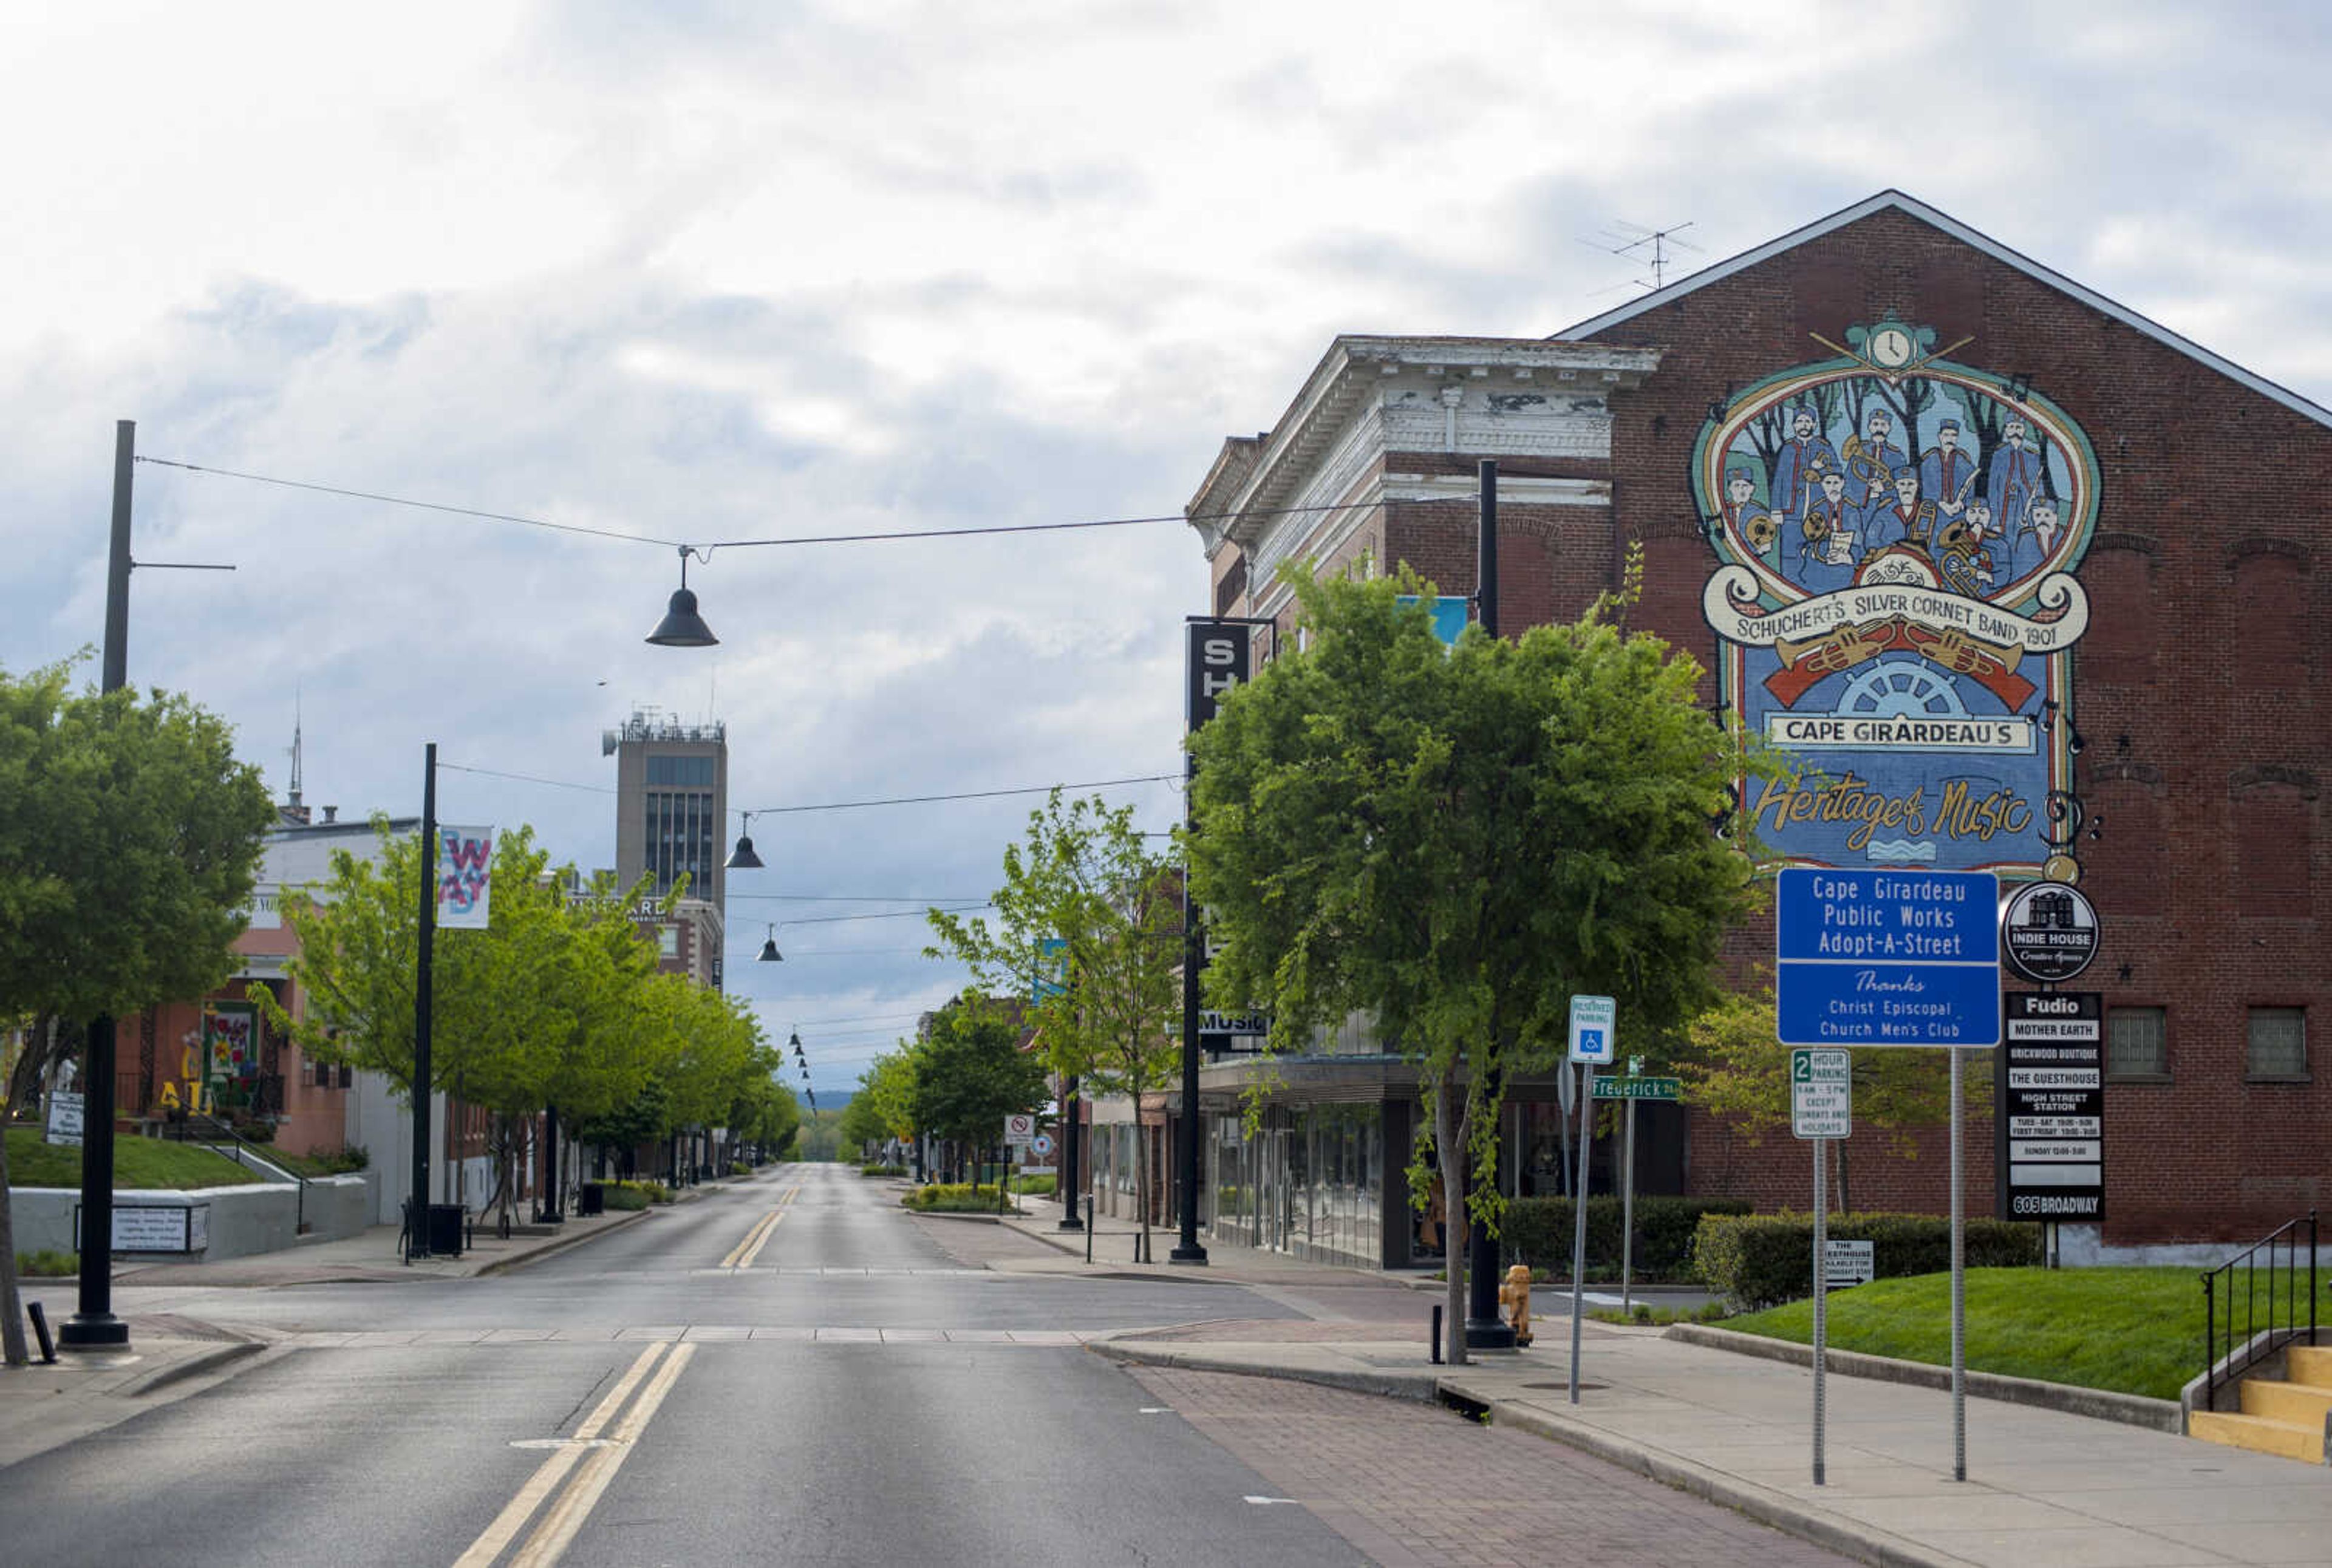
1864	1543
2097	1404
194	1366
1421	1387
504	1265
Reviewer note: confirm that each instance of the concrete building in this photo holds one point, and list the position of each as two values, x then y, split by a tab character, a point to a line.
672	811
1999	559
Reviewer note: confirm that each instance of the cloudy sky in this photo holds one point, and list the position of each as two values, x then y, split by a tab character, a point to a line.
707	272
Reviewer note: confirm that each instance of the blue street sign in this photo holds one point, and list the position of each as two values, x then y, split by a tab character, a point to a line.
1887	958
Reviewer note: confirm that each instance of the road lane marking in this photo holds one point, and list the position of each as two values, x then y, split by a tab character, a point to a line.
741	1257
560	1524
521	1509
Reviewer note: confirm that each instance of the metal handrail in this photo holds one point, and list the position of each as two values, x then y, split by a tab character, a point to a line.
300	1204
2257	1338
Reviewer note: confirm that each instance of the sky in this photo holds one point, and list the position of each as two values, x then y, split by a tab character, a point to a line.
703	273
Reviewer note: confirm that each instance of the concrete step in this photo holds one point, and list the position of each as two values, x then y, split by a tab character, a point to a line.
2301	1403
2309	1363
2285	1440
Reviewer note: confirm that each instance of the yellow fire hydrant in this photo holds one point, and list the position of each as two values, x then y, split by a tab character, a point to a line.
1515	1297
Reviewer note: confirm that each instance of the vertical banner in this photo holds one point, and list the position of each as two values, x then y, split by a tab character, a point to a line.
230	1041
1221	655
465	856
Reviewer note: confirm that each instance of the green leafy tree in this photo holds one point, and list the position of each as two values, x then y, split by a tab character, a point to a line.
1735	1068
1456	841
129	843
970	1073
1089	925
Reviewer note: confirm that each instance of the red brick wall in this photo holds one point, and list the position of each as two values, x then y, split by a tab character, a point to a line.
2196	691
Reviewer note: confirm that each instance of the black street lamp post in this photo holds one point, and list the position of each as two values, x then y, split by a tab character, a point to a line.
1484	1329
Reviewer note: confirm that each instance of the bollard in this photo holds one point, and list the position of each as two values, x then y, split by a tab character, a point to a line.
1434	1348
41	1332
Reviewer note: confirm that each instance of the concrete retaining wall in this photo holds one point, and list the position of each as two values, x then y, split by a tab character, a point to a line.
241	1220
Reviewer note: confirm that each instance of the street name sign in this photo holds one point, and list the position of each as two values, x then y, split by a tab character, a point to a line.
1593	1030
1821	1094
2050	1106
1887	958
1639	1088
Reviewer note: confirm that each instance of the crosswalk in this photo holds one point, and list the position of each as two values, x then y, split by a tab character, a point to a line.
703	1333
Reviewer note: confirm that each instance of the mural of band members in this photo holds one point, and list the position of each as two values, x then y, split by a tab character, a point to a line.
1818	487
1896	536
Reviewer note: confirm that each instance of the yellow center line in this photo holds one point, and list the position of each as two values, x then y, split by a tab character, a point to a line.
552	1470
749	1248
564	1517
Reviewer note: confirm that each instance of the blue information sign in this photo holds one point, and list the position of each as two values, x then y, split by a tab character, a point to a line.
1887	958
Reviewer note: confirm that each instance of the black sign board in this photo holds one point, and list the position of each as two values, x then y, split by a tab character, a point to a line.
1221	655
2048	932
2049	1108
1234	1033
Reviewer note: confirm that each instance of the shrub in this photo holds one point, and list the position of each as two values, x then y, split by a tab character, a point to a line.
1538	1231
881	1169
738	1168
45	1265
634	1194
1042	1184
952	1198
1760	1260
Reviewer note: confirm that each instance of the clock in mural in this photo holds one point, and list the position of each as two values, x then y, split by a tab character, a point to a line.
1895	601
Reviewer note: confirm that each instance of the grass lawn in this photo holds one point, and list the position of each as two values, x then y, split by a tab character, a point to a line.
2138	1330
303	1164
137	1162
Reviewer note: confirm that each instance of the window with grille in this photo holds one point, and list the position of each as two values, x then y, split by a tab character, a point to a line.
2279	1043
2137	1043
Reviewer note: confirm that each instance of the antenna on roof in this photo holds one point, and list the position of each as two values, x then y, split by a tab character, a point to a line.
1622	238
295	748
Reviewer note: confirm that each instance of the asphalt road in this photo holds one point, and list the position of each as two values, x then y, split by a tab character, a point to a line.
793	1370
789	1371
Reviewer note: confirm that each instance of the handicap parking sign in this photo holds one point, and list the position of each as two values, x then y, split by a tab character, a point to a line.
1592	1021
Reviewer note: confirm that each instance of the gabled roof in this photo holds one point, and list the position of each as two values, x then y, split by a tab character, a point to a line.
1959	231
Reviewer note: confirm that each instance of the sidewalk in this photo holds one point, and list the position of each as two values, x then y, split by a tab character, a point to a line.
372	1256
2045	1488
1112	1240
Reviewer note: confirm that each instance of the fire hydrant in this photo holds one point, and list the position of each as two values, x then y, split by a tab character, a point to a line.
1515	1297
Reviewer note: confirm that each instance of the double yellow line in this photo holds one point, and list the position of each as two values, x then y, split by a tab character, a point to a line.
742	1254
598	1458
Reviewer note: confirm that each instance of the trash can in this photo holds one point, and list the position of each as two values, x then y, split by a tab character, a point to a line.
446	1229
591	1199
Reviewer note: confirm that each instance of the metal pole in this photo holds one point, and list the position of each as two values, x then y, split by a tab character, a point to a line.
1579	1218
93	1326
550	1205
1959	1287
1628	1219
1485	1330
1069	1220
1188	1248
1821	1295
424	1004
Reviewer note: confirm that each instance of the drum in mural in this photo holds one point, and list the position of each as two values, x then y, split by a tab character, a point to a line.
1896	535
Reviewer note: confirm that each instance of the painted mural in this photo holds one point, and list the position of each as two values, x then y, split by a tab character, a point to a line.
1895	603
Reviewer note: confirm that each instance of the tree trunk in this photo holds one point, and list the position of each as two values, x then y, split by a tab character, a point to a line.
1458	1220
12	1309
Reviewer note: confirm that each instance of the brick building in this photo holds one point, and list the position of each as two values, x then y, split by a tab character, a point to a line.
2026	581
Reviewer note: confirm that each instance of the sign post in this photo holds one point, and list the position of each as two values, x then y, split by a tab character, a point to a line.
1592	1028
1821	1107
1894	957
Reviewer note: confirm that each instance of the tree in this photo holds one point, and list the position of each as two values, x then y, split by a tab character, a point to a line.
970	1073
129	844
1088	925
1455	842
1735	1068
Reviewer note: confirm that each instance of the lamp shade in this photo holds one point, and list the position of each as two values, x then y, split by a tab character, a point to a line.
742	858
770	953
682	626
